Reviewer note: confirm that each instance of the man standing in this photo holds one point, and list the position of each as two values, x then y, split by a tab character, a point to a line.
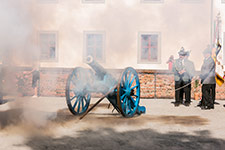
208	80
178	70
187	77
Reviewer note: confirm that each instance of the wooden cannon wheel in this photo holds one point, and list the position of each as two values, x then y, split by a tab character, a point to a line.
128	92
77	97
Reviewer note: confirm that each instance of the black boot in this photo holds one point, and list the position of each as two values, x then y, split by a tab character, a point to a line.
176	104
199	104
187	104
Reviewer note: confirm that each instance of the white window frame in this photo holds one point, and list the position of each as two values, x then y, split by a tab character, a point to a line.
191	1
152	1
48	1
93	1
85	44
139	48
56	46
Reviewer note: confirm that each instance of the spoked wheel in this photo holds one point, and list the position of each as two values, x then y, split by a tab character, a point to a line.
128	92
77	97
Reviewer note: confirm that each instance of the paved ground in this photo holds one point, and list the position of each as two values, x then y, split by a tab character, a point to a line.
45	123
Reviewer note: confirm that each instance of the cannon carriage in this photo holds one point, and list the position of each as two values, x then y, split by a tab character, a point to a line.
123	94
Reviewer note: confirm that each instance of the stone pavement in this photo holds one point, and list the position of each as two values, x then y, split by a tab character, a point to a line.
45	123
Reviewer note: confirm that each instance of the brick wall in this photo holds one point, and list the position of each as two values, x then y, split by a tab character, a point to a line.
53	81
154	83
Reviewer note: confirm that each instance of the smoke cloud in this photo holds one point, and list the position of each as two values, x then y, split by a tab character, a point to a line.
18	48
179	24
16	45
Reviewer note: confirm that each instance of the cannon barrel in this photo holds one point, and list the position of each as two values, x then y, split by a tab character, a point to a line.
105	81
100	71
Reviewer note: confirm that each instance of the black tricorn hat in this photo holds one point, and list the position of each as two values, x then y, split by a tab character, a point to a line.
182	52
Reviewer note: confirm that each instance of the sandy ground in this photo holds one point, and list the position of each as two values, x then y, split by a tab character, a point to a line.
45	123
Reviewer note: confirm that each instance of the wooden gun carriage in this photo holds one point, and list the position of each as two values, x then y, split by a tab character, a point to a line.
124	95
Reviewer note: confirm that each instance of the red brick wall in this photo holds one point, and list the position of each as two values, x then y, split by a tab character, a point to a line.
220	92
53	81
15	82
159	84
154	83
147	84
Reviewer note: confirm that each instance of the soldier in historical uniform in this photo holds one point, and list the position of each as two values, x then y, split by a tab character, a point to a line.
178	70
187	77
208	81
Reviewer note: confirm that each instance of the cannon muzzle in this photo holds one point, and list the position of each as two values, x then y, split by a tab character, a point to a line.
105	81
100	71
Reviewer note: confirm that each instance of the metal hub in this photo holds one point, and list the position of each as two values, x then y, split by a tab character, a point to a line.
128	91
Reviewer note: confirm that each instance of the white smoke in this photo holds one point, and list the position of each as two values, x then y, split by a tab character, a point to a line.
16	30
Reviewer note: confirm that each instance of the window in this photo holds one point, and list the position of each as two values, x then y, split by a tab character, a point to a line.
48	47
149	48
47	1
93	1
152	1
191	1
94	45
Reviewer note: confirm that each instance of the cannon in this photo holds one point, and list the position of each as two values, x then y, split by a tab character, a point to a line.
122	93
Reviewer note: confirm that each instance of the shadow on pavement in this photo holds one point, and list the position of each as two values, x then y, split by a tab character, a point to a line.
10	117
107	139
5	101
101	135
15	117
64	115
